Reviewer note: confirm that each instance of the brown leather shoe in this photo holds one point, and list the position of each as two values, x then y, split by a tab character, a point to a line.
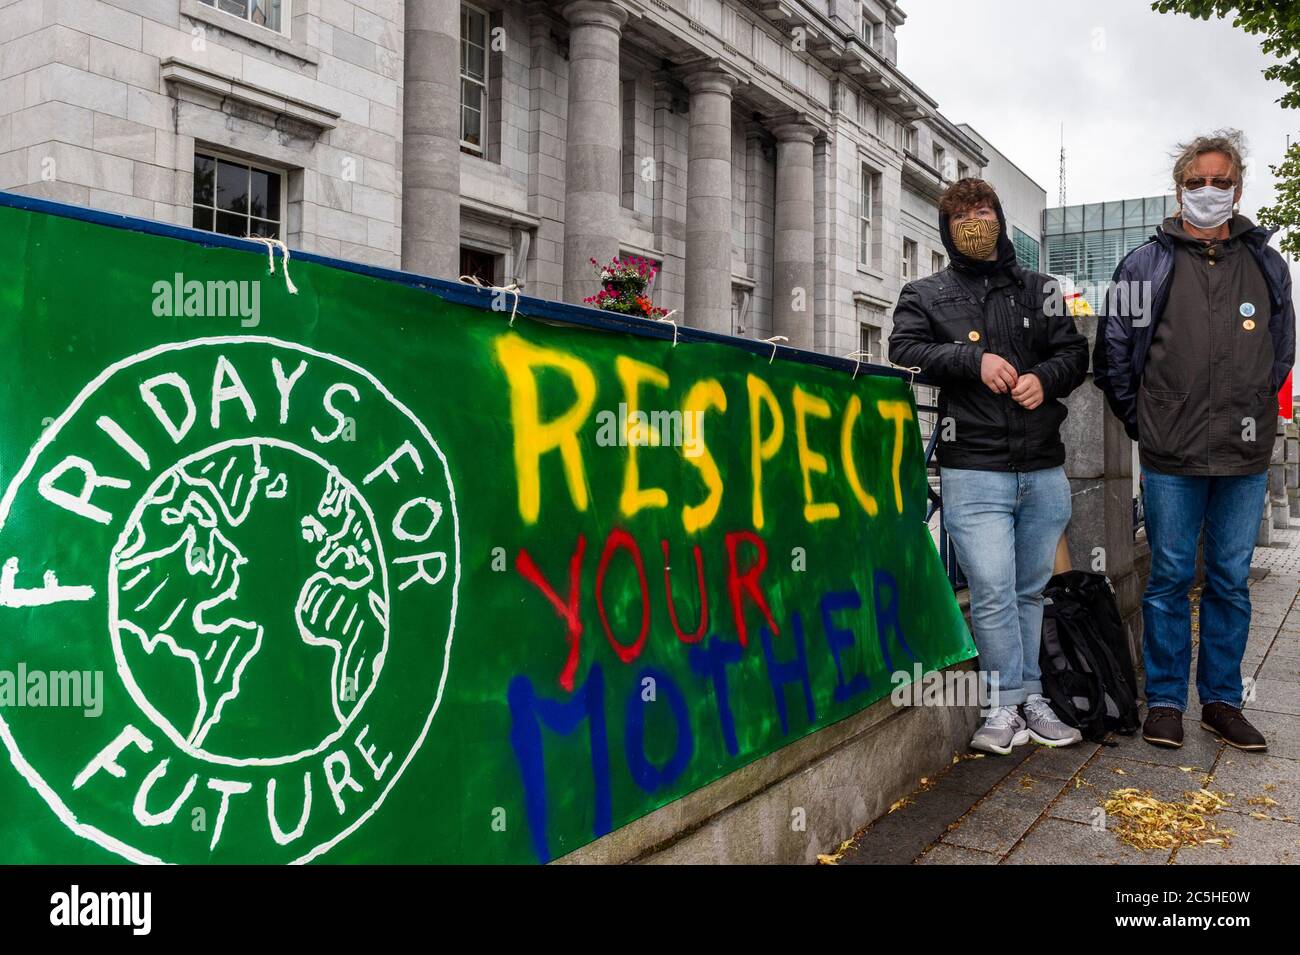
1228	723
1163	727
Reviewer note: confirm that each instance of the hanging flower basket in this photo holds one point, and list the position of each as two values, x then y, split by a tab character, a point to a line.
623	283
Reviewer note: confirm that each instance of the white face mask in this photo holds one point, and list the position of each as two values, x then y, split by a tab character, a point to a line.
1207	207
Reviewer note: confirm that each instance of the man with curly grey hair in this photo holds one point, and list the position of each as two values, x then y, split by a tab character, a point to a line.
1196	338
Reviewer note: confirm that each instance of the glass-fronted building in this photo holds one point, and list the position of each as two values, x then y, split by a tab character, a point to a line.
1026	249
1085	243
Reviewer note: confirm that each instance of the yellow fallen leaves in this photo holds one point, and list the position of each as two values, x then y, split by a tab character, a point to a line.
1145	822
1261	801
834	858
900	804
1026	782
962	757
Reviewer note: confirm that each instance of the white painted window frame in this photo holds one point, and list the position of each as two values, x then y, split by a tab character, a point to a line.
866	208
907	266
286	16
866	27
481	148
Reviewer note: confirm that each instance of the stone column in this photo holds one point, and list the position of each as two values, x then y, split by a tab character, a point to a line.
1280	504
792	259
431	139
1099	464
1292	469
593	177
708	201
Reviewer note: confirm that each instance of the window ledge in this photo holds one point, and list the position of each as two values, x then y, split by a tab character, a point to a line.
872	272
502	215
249	31
180	73
866	298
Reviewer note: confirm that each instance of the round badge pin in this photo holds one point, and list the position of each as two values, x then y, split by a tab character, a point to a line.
974	336
1248	325
1247	310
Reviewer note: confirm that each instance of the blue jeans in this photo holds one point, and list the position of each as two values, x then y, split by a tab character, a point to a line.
1177	506
1004	527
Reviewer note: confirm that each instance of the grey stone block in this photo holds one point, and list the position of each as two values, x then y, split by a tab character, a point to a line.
1002	817
902	835
1276	696
1058	762
1248	775
1058	842
1082	803
944	854
1253	842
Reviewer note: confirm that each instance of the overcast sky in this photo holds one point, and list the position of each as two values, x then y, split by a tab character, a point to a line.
1127	82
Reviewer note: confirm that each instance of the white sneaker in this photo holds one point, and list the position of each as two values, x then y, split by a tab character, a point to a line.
1002	729
1045	726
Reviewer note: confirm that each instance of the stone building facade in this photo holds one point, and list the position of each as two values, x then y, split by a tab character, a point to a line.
768	154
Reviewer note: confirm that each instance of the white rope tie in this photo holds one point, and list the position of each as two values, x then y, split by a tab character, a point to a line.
669	319
772	341
857	357
511	289
271	246
913	371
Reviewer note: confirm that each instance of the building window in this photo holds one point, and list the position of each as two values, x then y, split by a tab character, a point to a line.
234	198
865	207
868	28
963	171
265	13
473	78
909	139
479	264
909	260
870	341
936	262
939	156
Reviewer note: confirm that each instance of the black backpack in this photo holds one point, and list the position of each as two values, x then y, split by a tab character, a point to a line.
1087	668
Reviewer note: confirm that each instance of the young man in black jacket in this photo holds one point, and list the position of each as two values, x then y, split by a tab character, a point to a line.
1197	336
1001	345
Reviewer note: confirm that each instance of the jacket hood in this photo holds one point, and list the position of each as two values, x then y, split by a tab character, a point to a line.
1006	251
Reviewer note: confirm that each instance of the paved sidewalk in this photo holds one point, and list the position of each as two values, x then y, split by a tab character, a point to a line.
1042	805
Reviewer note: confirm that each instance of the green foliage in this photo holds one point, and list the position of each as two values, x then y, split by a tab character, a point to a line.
1278	22
1285	211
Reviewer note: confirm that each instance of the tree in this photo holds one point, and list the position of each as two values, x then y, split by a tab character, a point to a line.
1278	21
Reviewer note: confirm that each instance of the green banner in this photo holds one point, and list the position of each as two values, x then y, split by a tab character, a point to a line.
357	574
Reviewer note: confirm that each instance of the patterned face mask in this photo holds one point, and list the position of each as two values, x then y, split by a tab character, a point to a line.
976	238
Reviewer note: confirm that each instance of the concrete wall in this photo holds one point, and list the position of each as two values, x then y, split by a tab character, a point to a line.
803	800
